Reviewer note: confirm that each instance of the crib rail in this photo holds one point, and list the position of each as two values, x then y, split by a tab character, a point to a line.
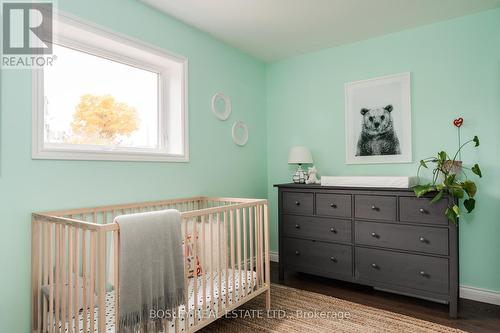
72	268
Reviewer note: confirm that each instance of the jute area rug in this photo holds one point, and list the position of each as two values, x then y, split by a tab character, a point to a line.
303	311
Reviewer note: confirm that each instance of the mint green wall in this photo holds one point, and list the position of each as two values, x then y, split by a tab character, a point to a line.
455	67
217	166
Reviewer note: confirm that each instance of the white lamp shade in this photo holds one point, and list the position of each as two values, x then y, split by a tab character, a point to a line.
299	155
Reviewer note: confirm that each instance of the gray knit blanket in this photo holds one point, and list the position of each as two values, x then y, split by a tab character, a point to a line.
151	268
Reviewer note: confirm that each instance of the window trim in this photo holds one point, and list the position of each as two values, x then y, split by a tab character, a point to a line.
41	150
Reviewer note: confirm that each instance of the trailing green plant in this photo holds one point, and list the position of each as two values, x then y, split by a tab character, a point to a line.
454	182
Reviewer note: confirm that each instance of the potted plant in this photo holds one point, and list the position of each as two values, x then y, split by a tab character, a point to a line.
450	177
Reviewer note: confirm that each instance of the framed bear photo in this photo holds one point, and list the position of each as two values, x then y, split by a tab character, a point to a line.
378	120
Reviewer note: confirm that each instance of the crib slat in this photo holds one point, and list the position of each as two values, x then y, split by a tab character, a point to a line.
219	267
116	285
266	250
226	258
70	279
76	289
46	253
93	245
211	255
251	226
238	249
34	267
101	282
257	252
58	275
204	262
64	286
186	281
194	240
231	230
51	277
36	274
41	279
176	322
245	290
85	280
261	235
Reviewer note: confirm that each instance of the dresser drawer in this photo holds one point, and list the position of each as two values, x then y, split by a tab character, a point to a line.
375	207
420	210
317	228
404	237
337	205
318	258
402	269
298	202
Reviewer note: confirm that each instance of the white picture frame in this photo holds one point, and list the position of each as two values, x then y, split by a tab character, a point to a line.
378	120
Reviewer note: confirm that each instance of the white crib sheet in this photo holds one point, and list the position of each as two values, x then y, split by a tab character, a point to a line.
210	305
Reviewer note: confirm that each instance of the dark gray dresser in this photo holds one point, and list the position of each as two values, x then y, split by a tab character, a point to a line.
385	238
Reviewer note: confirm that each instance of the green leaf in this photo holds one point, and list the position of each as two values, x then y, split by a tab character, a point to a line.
476	141
420	190
456	210
442	156
450	214
450	179
477	170
437	197
469	204
470	188
457	192
423	164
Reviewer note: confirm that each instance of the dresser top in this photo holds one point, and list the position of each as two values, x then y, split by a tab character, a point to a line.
321	187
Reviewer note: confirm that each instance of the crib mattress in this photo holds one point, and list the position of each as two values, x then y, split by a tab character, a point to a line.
211	305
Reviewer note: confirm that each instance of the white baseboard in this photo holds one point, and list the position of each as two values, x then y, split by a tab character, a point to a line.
480	295
472	293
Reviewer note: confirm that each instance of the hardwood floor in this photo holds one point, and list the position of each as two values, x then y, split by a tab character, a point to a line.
473	316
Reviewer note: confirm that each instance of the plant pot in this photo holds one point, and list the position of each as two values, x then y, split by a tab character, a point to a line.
453	167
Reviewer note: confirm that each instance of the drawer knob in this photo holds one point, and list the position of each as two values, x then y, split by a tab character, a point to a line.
333	259
297	203
375	266
422	211
374	207
423	240
333	205
333	230
375	235
297	253
297	226
423	273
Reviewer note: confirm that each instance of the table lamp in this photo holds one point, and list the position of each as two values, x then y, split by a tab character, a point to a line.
299	155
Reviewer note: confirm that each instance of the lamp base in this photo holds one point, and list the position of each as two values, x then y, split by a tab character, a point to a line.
300	176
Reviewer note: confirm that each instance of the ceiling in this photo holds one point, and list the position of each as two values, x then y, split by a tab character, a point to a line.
276	29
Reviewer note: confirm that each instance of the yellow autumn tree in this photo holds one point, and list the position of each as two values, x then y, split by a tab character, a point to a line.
102	120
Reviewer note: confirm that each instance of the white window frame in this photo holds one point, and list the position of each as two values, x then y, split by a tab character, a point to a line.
80	35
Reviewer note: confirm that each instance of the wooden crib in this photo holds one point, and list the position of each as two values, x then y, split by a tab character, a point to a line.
75	258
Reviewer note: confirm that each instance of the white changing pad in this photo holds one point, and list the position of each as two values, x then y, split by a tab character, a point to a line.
251	279
369	181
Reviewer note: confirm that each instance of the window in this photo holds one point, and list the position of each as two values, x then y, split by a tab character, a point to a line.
107	97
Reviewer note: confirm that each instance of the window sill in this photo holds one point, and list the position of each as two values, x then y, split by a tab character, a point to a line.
134	156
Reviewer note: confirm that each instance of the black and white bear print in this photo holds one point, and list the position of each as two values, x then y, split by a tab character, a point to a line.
377	133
